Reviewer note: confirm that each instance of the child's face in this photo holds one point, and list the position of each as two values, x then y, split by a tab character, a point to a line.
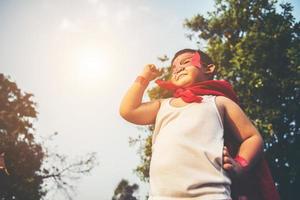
183	72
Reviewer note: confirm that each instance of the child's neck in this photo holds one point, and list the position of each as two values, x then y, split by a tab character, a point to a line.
177	102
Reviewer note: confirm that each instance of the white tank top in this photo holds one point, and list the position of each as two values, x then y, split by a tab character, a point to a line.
187	146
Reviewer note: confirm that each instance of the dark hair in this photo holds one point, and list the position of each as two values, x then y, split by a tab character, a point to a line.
204	57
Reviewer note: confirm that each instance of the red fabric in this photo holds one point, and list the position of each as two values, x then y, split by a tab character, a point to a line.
196	60
258	183
241	161
190	93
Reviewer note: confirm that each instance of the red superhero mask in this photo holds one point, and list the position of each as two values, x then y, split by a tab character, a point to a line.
193	59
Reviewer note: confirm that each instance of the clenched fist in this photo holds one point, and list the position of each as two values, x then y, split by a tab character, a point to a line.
150	72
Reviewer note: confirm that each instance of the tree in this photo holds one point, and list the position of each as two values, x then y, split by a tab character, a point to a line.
257	49
25	157
124	191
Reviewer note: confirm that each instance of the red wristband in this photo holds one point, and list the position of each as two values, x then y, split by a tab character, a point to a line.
244	163
142	80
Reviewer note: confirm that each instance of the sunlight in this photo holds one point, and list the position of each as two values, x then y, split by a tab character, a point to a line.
92	67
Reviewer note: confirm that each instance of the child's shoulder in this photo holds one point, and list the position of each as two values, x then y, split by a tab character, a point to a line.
161	100
224	102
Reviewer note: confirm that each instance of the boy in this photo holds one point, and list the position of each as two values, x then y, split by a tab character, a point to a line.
188	152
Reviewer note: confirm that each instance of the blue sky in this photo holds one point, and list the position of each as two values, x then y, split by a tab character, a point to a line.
78	57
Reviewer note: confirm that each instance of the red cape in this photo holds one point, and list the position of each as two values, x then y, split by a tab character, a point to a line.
258	183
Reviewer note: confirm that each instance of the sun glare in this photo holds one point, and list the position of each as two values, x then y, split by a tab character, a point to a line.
92	67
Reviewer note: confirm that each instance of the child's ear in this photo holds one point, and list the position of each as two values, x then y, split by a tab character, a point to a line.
209	69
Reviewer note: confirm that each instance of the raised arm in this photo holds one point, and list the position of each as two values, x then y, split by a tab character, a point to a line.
132	109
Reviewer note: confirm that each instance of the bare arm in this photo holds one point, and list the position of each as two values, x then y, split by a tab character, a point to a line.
132	109
251	141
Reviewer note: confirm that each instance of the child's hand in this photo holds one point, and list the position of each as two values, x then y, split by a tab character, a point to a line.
230	165
150	72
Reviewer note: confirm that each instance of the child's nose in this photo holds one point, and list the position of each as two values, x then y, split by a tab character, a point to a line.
178	69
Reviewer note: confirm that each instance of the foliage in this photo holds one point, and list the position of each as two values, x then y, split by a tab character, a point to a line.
257	49
124	191
25	157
